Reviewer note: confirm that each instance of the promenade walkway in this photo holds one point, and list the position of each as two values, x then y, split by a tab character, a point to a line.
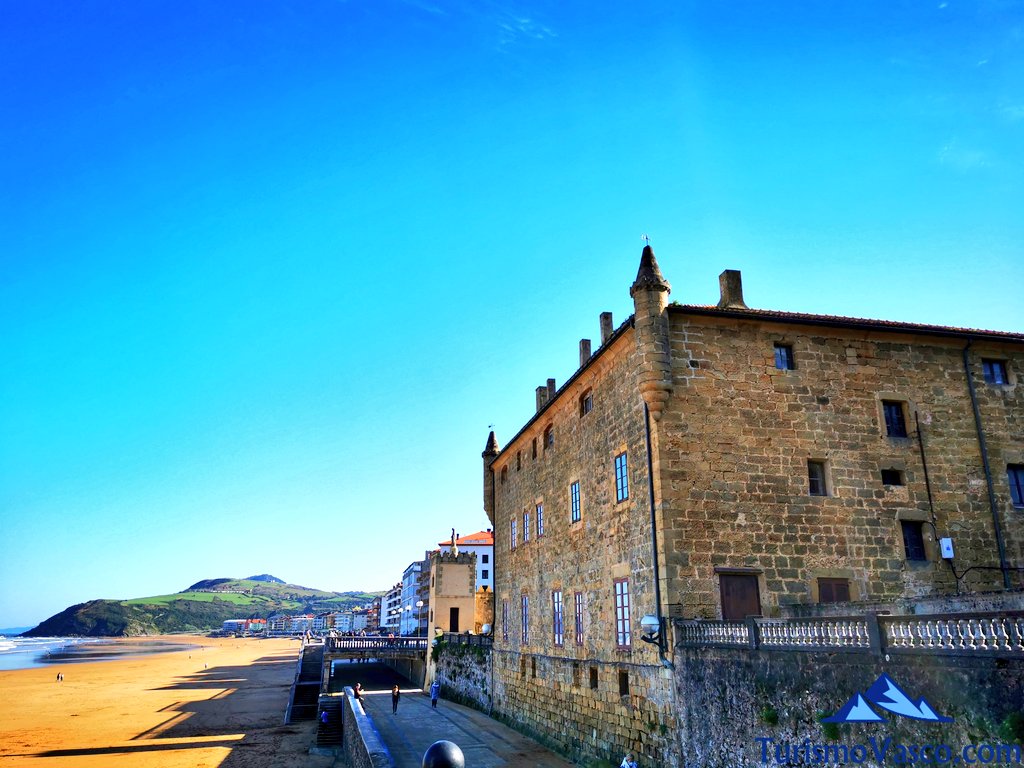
486	743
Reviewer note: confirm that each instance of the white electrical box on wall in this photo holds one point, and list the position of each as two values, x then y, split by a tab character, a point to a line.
946	547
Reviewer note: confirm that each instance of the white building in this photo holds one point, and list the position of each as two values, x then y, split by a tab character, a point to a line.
413	617
389	606
482	544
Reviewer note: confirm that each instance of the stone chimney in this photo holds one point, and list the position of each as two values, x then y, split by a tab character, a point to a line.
542	397
606	327
731	285
584	351
551	389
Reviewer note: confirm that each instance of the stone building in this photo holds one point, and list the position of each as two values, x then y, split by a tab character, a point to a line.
452	591
717	461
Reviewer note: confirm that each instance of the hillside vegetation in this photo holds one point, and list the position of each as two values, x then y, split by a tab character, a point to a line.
202	607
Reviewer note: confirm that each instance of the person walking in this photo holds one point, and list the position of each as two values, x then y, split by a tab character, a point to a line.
395	694
435	691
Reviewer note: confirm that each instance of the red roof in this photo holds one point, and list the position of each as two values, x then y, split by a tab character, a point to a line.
478	539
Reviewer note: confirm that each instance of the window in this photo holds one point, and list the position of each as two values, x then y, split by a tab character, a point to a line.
519	460
526	527
622	633
533	448
577	600
593	678
995	371
504	620
485	559
533	666
525	620
784	357
549	437
895	418
892	477
574	502
557	624
913	540
833	590
485	574
586	403
1015	475
540	520
514	538
816	478
621	478
504	475
623	683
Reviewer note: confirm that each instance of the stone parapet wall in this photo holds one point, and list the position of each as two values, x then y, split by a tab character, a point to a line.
361	745
731	698
981	601
464	672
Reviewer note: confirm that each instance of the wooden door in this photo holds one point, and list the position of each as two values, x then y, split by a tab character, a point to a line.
740	596
453	619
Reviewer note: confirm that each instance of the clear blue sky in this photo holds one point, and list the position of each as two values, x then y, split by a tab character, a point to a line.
268	270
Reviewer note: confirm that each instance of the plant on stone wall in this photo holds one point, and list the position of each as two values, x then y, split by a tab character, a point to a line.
1012	728
829	730
769	715
437	650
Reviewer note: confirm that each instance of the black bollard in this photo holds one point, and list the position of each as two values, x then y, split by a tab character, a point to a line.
444	754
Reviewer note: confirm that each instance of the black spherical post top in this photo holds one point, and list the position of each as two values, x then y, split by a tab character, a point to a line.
444	754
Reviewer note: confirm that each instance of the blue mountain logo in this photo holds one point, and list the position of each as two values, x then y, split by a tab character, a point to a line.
884	693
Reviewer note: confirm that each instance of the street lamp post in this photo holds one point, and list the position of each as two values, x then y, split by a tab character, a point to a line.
419	606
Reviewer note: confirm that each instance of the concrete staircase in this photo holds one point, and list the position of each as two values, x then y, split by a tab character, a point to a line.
328	735
306	688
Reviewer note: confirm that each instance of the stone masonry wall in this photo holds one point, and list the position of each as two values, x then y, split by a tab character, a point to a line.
730	698
464	672
735	439
543	687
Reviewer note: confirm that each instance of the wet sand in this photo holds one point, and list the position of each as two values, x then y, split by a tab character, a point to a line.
218	704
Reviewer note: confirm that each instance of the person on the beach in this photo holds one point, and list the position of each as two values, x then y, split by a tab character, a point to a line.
395	693
435	691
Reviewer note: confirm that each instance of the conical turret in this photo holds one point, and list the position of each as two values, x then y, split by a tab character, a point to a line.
489	454
650	293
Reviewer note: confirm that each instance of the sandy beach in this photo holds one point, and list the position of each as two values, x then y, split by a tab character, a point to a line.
221	703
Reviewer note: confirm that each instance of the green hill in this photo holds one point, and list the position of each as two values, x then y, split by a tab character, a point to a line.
202	607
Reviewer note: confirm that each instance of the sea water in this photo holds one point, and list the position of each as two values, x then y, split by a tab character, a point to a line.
26	652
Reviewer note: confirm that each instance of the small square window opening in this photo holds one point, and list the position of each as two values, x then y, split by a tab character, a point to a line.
892	477
995	371
784	357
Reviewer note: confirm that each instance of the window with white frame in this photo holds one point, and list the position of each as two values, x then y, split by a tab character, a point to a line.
525	620
622	627
577	600
557	629
574	502
621	477
526	526
540	520
514	538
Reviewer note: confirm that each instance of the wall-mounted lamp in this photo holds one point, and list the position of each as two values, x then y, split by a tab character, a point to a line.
651	625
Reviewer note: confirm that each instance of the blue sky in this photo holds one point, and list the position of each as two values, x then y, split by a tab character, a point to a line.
269	270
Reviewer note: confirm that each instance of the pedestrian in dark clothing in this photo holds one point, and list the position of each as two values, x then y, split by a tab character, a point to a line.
358	692
395	694
435	691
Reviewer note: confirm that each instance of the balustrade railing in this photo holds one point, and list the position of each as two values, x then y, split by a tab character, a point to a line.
454	638
989	634
388	644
